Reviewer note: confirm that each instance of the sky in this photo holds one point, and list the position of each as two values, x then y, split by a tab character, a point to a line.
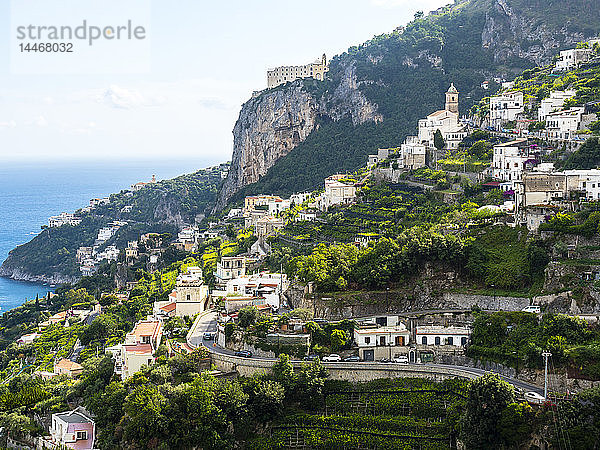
177	93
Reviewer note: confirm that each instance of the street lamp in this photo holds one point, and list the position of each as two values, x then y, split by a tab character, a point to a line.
546	355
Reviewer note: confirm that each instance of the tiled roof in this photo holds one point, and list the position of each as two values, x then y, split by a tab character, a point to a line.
146	328
66	364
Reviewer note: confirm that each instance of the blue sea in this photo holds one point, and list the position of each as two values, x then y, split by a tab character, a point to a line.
32	192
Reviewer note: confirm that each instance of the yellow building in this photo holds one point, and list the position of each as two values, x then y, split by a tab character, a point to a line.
285	74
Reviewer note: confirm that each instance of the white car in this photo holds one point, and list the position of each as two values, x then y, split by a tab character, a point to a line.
534	398
535	309
400	359
332	358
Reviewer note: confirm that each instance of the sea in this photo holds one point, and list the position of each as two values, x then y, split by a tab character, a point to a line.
32	192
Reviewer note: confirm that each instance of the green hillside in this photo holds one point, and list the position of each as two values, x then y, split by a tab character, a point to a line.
406	73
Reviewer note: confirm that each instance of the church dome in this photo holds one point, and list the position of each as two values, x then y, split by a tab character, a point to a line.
452	89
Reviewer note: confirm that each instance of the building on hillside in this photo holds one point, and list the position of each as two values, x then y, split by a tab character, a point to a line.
376	342
553	103
572	58
268	226
137	186
538	188
131	252
99	202
68	368
138	349
382	153
337	192
510	160
444	120
268	286
63	219
192	293
110	253
230	267
437	335
413	154
28	338
506	107
564	124
53	320
84	253
306	215
300	198
72	429
285	74
364	239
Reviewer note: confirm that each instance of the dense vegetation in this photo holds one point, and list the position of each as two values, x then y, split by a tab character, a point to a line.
156	208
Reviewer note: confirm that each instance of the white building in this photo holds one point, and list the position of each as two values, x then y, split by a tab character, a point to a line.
268	226
336	192
285	74
230	267
412	154
588	181
510	160
375	342
298	199
268	286
553	103
572	58
192	293
439	335
564	124
110	253
104	234
138	349
63	219
505	107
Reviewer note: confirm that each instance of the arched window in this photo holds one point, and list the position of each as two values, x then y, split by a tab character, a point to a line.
450	340
424	340
437	340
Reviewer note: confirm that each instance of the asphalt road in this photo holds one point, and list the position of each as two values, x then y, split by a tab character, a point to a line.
208	323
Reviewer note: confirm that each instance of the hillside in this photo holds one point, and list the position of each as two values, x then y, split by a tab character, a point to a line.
162	207
376	92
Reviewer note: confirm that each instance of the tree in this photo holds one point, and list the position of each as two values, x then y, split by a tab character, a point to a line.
145	419
438	140
516	424
487	398
265	398
283	370
309	387
247	316
338	339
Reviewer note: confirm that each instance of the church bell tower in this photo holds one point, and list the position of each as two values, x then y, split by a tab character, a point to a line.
452	99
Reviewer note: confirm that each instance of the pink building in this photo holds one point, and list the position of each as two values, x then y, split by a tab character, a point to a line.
73	429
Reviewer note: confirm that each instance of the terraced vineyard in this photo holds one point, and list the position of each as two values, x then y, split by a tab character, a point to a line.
390	414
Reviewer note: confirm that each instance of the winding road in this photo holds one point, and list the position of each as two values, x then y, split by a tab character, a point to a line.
208	323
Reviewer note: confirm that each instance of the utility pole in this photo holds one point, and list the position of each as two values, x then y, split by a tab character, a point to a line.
546	355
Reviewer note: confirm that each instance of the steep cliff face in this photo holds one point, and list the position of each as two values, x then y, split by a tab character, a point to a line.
276	121
509	34
269	127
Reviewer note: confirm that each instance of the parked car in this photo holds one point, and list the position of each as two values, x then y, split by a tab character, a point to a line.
534	398
532	309
244	353
332	358
353	358
385	360
208	336
400	359
312	357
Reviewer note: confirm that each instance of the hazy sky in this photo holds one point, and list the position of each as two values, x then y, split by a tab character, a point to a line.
205	59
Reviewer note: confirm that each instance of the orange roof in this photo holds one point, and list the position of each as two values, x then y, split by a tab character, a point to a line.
140	349
60	315
168	308
66	364
146	328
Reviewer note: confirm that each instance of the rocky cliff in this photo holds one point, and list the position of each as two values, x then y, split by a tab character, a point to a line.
287	139
273	123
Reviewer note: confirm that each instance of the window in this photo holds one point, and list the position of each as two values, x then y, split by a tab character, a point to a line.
424	340
81	435
437	340
382	340
450	340
188	297
463	341
145	340
367	340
